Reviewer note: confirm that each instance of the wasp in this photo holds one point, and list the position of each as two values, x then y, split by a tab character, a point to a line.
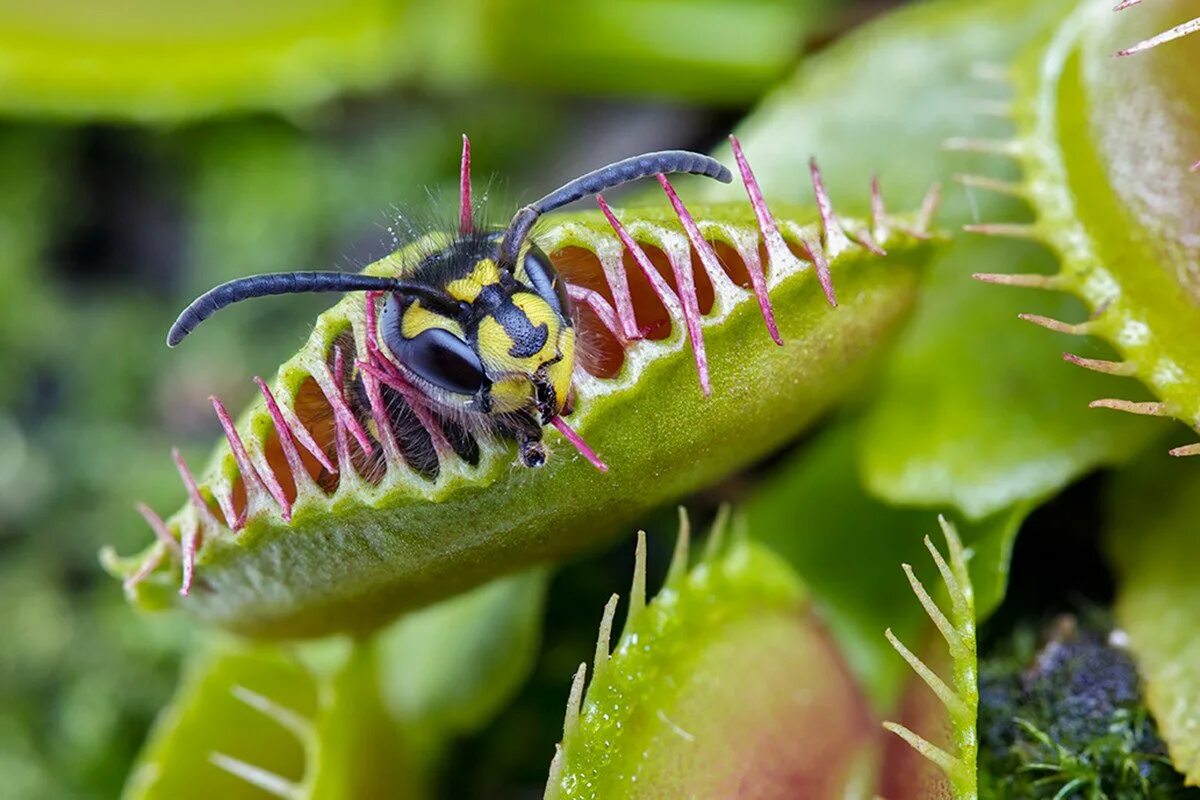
483	329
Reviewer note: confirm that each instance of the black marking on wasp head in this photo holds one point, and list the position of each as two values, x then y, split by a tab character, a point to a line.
480	330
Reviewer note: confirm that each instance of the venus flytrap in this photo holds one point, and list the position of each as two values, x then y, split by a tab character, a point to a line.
1103	145
257	721
342	718
722	684
274	542
961	420
961	696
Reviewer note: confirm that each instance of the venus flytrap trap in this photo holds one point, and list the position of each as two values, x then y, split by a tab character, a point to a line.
857	597
723	684
338	499
961	420
680	342
345	718
961	697
1103	147
255	721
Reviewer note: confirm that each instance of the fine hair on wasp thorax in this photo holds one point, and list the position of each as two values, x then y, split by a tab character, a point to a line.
478	335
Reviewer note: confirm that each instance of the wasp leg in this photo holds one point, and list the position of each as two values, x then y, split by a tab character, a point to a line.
533	452
524	428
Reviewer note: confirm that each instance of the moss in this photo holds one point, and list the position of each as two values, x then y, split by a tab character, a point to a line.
1064	718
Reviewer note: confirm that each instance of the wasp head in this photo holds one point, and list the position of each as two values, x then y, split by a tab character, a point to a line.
498	344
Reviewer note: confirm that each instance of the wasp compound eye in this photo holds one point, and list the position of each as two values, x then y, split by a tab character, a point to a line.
443	359
432	351
546	282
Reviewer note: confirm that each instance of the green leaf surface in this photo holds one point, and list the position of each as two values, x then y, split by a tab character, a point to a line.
170	61
715	50
155	61
363	718
847	547
973	411
355	557
29	195
254	722
1154	539
453	666
723	685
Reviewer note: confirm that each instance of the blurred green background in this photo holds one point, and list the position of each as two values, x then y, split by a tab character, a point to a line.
149	150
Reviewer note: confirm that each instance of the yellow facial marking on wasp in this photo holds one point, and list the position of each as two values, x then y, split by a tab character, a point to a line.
468	288
418	319
560	373
539	312
495	345
511	393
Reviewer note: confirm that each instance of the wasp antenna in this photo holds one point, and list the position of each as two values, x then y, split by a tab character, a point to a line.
662	162
274	283
466	222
